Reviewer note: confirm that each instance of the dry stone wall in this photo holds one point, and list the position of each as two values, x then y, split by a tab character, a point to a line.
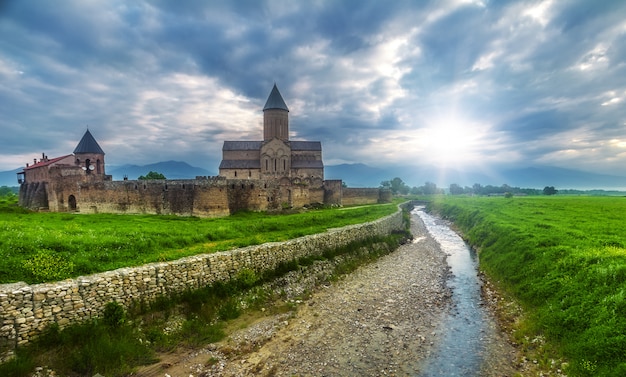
26	310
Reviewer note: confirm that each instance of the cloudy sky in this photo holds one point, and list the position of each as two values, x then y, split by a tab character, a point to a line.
450	82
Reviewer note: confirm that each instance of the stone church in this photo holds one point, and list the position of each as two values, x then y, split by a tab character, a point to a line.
275	157
270	174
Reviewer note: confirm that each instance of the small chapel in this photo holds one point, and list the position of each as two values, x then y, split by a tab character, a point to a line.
275	157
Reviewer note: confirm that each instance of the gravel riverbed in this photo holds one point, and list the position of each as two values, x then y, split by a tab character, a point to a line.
384	319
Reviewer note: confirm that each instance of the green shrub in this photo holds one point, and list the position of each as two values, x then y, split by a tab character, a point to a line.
20	366
230	309
196	332
47	266
114	315
246	278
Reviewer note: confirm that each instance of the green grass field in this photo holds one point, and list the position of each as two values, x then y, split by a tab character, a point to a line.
121	340
564	259
38	247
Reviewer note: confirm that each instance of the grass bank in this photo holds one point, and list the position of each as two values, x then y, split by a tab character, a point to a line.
121	341
564	260
41	247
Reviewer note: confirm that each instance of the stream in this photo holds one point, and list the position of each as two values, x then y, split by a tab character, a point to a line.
469	332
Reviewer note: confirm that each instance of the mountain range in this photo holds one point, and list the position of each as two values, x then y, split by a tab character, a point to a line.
361	175
170	169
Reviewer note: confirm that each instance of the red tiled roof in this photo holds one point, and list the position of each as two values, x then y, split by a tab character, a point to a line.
46	162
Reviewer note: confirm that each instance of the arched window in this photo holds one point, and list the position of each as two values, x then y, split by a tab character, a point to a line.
98	167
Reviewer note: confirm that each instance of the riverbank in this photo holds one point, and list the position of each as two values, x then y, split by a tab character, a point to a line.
383	319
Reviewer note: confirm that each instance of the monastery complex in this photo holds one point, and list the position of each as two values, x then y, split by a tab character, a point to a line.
270	174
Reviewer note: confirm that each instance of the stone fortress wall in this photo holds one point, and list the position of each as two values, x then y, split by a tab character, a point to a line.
203	196
26	310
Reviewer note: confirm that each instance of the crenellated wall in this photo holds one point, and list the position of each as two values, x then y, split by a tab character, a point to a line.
26	310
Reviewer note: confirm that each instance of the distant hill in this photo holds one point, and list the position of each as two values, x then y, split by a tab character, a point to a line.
9	178
361	175
540	177
170	169
357	175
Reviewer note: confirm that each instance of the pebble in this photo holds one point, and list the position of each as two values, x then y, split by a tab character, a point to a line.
370	322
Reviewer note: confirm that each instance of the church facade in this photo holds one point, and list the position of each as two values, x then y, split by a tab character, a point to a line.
270	174
275	157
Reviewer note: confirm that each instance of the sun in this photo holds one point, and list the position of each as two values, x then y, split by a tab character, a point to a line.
450	141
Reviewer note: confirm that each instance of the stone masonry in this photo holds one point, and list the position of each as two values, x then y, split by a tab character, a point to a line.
26	310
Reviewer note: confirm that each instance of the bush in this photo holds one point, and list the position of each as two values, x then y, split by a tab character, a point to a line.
246	278
46	266
114	315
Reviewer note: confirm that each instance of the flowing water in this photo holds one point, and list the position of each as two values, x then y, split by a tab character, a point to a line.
469	329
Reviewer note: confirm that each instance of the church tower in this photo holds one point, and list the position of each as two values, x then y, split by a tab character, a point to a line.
89	156
275	117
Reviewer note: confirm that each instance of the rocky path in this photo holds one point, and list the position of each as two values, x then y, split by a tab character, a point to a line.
381	320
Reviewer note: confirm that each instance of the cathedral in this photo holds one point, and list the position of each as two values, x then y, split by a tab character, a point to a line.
275	157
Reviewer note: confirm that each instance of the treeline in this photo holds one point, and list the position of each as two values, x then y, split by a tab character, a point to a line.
8	191
398	187
478	189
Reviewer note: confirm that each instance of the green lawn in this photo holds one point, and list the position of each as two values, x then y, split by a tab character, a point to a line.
37	247
564	259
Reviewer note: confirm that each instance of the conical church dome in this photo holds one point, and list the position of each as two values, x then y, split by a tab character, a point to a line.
275	101
88	145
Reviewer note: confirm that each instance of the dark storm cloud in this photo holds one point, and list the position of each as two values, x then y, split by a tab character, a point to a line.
159	80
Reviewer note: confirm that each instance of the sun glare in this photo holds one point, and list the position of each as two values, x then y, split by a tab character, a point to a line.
450	141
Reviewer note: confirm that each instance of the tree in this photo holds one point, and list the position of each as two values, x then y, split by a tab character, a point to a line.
549	190
455	189
9	192
152	175
430	188
399	186
396	185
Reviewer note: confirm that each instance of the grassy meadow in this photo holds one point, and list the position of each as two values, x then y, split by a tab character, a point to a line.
37	244
564	260
40	247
